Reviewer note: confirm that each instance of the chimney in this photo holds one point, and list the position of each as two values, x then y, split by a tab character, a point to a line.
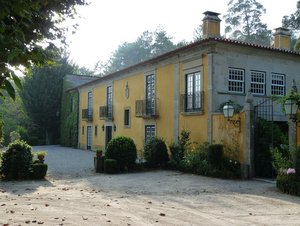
211	24
282	38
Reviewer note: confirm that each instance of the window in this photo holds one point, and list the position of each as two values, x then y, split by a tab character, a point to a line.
278	84
150	94
90	105
72	103
258	82
82	130
192	97
109	101
149	132
127	117
236	80
96	130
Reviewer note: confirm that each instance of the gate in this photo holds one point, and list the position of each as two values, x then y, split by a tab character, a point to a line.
264	137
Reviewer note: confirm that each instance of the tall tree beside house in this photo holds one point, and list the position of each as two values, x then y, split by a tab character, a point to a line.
31	32
15	117
147	45
243	22
293	22
41	94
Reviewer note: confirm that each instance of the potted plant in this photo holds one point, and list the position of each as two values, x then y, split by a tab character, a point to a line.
99	161
99	153
41	156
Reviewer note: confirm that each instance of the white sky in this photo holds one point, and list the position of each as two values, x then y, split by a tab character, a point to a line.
105	24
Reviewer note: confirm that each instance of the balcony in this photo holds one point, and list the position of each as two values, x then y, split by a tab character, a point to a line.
192	102
146	108
87	115
106	112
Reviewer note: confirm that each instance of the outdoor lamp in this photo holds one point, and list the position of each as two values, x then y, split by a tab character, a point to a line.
102	127
115	127
291	108
228	111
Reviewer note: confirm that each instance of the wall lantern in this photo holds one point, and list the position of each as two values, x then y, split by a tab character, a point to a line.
228	111
102	127
291	108
115	127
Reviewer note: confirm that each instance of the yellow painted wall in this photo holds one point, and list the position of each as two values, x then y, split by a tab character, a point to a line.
282	41
211	28
165	98
226	133
120	102
99	99
298	136
197	124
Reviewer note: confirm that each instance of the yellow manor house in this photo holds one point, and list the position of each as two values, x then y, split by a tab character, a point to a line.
185	89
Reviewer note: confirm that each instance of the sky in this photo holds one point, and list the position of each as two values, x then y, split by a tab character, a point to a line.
106	24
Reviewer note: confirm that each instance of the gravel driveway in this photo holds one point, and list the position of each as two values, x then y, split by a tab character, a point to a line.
73	194
66	162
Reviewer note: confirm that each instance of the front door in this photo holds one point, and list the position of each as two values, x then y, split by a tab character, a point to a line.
108	134
89	138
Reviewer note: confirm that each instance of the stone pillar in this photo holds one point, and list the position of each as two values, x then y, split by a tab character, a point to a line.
292	134
248	166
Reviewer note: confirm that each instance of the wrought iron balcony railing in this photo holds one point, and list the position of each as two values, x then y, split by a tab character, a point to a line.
87	114
106	112
146	108
192	102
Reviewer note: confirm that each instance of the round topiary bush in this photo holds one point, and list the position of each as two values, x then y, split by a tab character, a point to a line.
16	161
123	150
111	166
156	152
39	170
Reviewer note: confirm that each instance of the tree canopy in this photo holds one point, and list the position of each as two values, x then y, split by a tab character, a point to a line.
243	22
30	33
293	22
147	45
41	95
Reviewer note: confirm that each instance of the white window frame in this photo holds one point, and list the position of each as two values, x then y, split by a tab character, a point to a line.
152	132
277	84
193	89
258	82
236	84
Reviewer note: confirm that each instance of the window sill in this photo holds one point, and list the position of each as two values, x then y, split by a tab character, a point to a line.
195	113
229	93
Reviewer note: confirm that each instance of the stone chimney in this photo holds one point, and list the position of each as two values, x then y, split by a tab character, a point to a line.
282	38
211	24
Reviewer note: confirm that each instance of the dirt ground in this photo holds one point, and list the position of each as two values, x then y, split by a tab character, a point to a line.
148	198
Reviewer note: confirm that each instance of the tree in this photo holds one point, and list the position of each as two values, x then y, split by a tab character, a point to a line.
198	33
293	22
41	95
15	118
147	45
29	34
243	22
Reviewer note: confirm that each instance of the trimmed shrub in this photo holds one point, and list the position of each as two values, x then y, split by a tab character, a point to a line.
215	155
39	170
16	161
297	162
156	152
123	150
111	166
288	184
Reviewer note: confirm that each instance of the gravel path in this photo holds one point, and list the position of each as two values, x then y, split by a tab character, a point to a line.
73	194
66	162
